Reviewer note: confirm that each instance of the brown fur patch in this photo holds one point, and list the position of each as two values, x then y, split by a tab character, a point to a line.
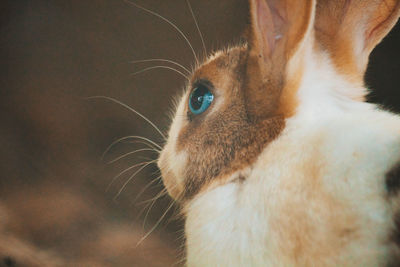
393	181
222	142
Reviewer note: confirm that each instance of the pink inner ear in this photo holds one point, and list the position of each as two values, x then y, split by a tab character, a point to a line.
270	24
266	27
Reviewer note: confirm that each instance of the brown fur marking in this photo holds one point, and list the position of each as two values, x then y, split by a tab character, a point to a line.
393	180
227	140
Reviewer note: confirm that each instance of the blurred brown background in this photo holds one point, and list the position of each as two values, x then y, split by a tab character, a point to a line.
55	208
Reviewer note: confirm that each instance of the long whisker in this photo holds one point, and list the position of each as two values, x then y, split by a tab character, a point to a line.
145	158
144	143
132	176
150	203
130	153
169	22
161	67
124	171
162	60
145	188
158	196
156	225
128	137
131	109
197	26
144	139
181	248
180	261
149	145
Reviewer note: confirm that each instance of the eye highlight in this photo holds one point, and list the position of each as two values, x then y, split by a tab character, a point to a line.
200	99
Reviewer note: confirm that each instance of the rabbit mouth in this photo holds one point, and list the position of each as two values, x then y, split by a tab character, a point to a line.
174	189
172	165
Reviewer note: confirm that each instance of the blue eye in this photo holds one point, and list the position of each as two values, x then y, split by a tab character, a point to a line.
200	99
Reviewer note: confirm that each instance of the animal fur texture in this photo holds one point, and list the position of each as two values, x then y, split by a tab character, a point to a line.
289	166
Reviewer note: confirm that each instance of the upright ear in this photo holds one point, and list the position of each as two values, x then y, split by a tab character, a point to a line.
280	33
350	29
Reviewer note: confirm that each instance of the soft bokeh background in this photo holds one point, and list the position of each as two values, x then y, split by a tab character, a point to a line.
57	206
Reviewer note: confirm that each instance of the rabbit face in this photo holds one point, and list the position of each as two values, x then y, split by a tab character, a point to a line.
225	137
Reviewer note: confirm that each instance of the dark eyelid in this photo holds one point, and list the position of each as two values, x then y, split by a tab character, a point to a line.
203	82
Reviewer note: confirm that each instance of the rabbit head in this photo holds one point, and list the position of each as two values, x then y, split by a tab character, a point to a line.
253	88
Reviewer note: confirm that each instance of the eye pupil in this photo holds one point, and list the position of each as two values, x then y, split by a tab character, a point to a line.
200	99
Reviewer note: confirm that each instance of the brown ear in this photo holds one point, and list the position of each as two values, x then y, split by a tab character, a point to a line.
280	30
350	29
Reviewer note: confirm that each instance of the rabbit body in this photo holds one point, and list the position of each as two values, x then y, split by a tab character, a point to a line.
285	165
316	196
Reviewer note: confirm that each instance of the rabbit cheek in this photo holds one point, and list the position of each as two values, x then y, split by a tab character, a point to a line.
223	147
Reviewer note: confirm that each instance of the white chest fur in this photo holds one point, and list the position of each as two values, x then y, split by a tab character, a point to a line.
315	197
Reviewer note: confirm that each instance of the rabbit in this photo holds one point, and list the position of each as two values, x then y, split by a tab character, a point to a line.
273	153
